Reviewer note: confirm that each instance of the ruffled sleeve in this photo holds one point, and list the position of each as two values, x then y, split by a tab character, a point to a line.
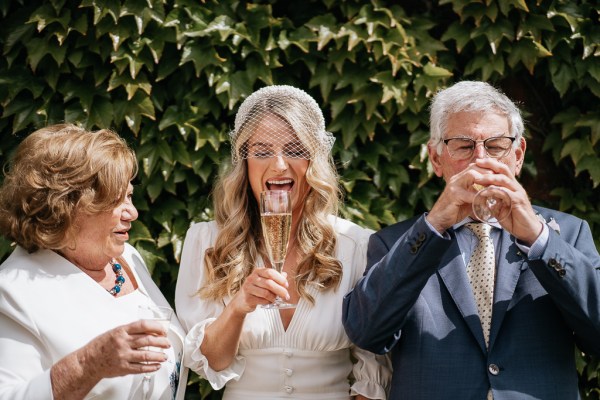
198	362
372	372
195	313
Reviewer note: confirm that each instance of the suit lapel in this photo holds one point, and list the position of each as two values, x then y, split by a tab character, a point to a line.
454	275
508	270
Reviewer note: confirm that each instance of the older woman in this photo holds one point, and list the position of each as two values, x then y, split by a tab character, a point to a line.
279	143
70	290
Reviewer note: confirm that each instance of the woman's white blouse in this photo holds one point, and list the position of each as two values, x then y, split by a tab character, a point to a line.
50	308
312	359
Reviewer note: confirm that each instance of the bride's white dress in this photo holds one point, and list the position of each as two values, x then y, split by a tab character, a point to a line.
312	359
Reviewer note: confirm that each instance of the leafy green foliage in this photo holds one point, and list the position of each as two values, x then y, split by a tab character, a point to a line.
169	74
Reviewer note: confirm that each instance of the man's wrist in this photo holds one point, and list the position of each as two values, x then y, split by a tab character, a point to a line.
440	231
531	240
433	227
538	247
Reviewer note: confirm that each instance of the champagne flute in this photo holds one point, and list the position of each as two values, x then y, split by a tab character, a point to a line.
276	221
491	204
163	316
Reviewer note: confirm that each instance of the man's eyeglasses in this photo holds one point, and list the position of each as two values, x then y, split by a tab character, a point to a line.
461	148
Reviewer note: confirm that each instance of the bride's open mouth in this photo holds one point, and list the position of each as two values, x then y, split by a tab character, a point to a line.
280	184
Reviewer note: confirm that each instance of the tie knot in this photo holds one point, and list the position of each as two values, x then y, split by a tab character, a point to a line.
480	230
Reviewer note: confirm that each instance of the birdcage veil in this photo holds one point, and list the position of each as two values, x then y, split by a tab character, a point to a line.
289	122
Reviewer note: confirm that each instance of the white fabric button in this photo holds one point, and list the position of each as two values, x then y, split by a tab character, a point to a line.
288	389
288	372
288	354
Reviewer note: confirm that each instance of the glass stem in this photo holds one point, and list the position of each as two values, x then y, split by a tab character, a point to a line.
278	266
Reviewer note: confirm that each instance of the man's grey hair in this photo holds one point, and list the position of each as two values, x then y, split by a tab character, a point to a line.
471	96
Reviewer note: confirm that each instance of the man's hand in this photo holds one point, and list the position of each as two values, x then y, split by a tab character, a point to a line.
455	202
522	222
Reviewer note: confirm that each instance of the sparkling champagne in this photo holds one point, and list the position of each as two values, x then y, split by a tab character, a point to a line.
276	221
276	232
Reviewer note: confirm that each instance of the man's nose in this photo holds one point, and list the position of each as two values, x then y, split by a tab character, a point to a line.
479	151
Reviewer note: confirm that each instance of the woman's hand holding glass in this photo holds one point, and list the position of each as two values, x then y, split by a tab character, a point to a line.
267	287
260	288
117	351
112	354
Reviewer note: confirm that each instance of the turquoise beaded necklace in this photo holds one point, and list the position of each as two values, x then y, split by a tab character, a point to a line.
119	278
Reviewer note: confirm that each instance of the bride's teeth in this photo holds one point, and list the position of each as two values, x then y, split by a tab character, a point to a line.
283	182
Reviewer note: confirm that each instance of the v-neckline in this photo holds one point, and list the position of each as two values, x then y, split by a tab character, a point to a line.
299	311
292	319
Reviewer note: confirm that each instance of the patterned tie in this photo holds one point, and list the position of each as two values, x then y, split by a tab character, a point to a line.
481	271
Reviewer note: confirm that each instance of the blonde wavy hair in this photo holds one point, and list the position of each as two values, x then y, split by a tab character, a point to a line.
239	242
57	172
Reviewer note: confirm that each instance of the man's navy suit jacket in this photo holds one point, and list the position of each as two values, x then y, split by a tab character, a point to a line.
415	302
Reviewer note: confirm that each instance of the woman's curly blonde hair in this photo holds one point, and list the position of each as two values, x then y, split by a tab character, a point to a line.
56	172
239	241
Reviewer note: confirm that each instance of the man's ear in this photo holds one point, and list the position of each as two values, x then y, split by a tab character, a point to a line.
520	156
434	158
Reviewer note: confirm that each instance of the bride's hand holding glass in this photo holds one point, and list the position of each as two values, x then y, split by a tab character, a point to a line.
260	289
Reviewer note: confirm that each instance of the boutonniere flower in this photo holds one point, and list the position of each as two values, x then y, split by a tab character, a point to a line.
552	224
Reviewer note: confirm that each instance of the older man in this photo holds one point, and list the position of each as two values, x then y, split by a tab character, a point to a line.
471	310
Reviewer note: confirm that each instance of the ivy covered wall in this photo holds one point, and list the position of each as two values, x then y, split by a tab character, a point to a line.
169	75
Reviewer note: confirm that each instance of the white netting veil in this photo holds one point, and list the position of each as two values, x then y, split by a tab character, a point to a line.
280	120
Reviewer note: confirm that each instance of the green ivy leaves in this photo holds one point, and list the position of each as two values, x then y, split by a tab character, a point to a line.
169	75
